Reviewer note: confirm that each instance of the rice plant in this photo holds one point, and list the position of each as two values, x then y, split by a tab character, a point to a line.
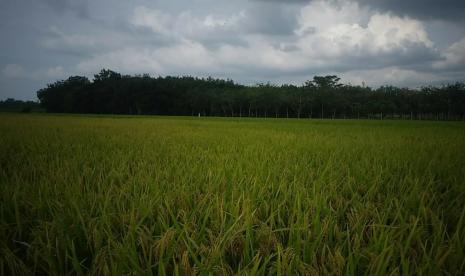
112	195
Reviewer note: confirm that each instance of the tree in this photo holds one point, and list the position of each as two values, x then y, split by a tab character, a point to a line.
326	82
323	96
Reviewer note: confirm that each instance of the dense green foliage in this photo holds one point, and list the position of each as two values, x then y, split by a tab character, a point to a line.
12	105
323	97
153	195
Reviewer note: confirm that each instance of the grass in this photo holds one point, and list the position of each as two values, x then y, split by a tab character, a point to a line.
180	196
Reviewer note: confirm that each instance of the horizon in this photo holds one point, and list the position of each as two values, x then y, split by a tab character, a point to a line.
246	85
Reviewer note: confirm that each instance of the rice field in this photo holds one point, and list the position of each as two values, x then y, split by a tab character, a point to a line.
113	195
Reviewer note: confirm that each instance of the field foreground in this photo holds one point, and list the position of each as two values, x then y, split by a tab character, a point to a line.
157	195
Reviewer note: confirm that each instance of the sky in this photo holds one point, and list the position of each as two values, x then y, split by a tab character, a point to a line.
407	43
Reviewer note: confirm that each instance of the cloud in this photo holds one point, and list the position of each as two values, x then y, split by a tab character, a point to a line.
328	36
449	10
158	21
185	24
77	7
246	40
260	18
393	75
83	44
60	41
284	1
164	60
50	74
13	71
344	36
254	19
324	14
453	58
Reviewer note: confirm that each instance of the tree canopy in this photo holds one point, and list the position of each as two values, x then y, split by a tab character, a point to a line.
323	97
12	105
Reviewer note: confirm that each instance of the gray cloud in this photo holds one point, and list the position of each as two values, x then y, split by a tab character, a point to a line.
450	10
283	1
453	58
247	40
78	7
270	19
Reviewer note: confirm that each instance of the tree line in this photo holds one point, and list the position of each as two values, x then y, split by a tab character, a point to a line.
12	105
322	97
